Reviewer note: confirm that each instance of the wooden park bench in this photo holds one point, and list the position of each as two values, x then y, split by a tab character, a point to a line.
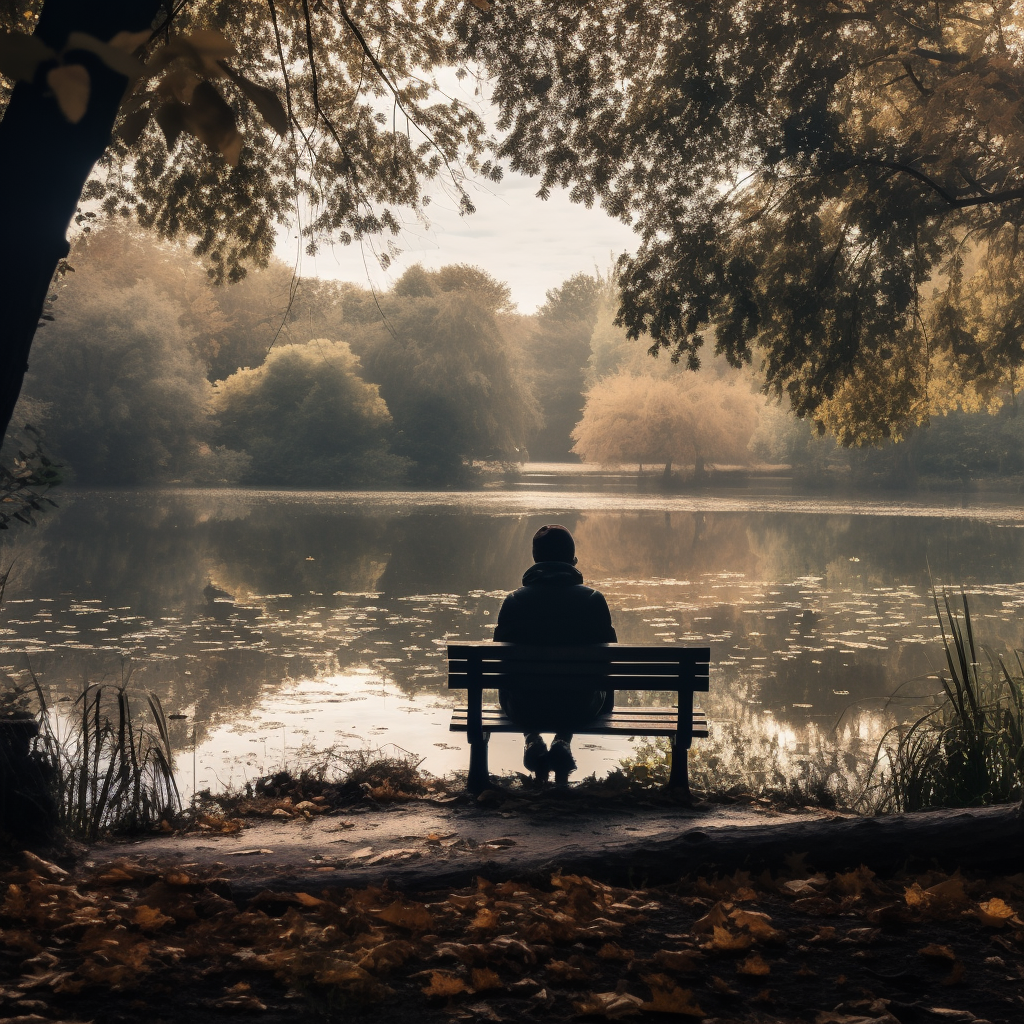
484	665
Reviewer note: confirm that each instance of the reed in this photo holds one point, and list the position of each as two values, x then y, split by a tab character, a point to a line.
967	749
109	771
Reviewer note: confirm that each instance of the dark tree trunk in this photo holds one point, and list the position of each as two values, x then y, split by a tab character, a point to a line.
44	163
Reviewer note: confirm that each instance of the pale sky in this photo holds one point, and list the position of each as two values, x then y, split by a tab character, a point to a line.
530	243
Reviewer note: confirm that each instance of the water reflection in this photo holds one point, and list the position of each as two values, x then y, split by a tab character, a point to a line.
259	613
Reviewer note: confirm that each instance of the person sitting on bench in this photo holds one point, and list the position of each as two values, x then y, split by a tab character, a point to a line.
553	607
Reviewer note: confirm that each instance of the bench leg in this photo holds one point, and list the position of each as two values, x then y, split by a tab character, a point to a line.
479	778
679	777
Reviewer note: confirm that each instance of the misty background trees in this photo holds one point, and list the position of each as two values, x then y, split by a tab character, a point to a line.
149	374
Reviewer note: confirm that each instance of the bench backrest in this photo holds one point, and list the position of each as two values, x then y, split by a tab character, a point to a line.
488	665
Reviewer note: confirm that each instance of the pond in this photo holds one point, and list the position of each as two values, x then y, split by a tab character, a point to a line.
275	622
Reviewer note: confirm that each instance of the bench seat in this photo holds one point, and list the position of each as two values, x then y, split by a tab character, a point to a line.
629	721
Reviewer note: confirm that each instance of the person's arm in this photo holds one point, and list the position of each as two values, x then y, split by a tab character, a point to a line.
504	627
603	620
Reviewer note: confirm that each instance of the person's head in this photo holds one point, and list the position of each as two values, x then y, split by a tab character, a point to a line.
554	544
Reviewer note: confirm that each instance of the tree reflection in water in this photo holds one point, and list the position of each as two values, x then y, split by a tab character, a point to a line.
232	603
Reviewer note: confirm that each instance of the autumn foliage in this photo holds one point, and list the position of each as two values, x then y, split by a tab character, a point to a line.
134	930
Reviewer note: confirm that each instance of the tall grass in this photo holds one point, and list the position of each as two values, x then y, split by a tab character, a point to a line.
967	750
110	772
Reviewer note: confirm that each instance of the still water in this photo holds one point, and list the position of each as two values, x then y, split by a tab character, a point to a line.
331	610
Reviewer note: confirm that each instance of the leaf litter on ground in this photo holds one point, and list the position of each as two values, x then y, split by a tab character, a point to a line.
144	933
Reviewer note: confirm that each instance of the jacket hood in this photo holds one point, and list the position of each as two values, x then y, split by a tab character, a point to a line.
558	574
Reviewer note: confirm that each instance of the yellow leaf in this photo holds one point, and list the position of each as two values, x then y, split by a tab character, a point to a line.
717	916
309	901
444	983
915	896
114	876
486	920
482	5
150	919
484	979
950	891
855	882
995	913
759	925
726	941
70	84
412	916
754	965
936	952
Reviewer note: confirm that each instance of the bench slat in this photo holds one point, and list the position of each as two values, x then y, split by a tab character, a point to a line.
636	722
549	667
489	650
666	684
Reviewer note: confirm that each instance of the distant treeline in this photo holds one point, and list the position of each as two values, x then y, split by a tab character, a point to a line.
148	374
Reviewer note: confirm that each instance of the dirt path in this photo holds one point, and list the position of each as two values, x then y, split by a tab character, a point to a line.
420	843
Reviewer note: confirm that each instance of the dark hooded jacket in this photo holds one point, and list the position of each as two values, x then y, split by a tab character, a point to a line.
553	607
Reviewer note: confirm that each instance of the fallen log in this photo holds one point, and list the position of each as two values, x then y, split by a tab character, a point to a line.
984	838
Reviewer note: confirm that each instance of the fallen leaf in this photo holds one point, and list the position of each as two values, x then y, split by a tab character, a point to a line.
486	920
149	919
936	952
759	925
994	913
721	986
727	941
800	887
683	961
716	917
668	997
444	983
485	979
613	951
610	1004
413	916
754	965
854	883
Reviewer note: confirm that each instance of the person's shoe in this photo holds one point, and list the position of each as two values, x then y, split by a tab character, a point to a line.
535	757
561	761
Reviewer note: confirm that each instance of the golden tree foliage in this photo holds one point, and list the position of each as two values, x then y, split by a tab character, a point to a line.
691	418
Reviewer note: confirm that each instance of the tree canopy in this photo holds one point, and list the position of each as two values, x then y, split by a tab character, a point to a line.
691	418
307	419
456	388
810	182
231	118
833	188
